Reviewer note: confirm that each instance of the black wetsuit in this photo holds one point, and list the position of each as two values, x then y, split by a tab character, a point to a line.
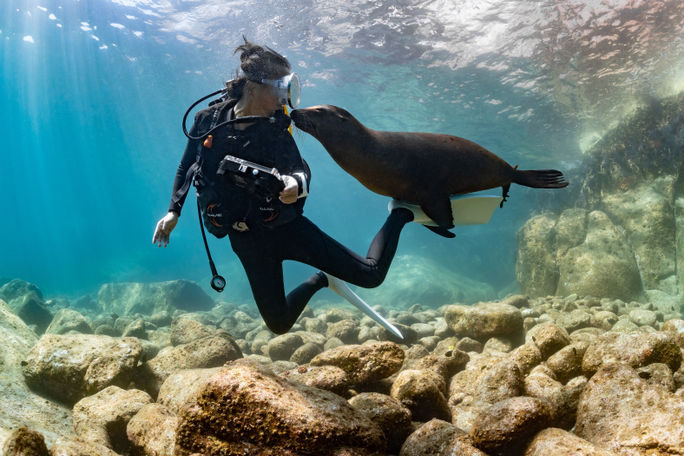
289	236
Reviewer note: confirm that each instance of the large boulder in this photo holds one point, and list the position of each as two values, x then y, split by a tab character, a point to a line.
388	413
557	442
66	320
329	378
102	418
620	410
646	213
580	252
71	367
679	240
32	310
246	409
150	298
363	363
422	392
439	438
211	351
24	442
486	380
507	425
484	320
152	431
19	405
636	349
602	265
535	268
183	386
17	288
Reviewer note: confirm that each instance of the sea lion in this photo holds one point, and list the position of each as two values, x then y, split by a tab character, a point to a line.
419	168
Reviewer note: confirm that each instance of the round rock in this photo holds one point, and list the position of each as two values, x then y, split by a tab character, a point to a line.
506	426
484	320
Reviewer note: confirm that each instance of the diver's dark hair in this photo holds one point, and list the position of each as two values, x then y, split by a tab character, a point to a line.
257	63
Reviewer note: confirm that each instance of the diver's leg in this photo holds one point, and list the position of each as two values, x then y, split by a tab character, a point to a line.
310	245
265	277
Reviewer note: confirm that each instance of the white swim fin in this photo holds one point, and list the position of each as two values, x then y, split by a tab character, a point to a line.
465	209
341	288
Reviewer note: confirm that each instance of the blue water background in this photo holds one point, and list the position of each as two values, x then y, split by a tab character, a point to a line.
90	121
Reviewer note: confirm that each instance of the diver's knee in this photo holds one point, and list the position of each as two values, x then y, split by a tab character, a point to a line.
372	280
278	326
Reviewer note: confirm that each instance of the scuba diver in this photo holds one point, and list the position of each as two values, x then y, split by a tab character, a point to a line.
252	184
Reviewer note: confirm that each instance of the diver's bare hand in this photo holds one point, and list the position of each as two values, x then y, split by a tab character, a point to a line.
164	228
289	193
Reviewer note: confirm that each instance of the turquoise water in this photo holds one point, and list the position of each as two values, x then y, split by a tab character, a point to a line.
93	93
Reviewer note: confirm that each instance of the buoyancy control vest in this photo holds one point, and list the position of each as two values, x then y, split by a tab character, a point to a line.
227	202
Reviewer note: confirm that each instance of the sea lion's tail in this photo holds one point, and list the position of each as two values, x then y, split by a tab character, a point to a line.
540	178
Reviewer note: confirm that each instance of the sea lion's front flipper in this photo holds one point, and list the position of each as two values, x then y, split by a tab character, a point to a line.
439	210
441	231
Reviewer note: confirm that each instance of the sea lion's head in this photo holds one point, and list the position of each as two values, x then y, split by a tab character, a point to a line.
329	124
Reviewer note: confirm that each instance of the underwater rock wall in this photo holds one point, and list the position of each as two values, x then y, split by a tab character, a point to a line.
620	231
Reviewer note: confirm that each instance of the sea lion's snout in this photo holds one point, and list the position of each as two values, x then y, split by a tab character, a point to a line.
308	119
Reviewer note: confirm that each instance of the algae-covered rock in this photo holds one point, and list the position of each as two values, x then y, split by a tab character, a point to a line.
536	269
548	337
31	308
283	346
675	326
393	418
152	431
554	441
66	320
329	378
603	265
17	288
21	407
150	298
363	363
646	212
245	407
484	320
439	438
185	330
635	349
620	410
305	353
212	351
102	418
422	392
71	367
346	330
183	386
505	427
24	442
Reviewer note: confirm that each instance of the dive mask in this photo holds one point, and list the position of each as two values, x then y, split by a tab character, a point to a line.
287	89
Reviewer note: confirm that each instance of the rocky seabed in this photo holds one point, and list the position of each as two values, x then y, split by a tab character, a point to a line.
521	376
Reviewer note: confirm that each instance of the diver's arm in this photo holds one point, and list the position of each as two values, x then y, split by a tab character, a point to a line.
297	170
189	157
166	224
186	162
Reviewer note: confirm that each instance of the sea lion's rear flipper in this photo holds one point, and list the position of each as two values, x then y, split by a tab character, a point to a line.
504	193
441	231
439	210
540	178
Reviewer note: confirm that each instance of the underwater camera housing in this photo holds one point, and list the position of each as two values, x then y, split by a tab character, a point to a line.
257	179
